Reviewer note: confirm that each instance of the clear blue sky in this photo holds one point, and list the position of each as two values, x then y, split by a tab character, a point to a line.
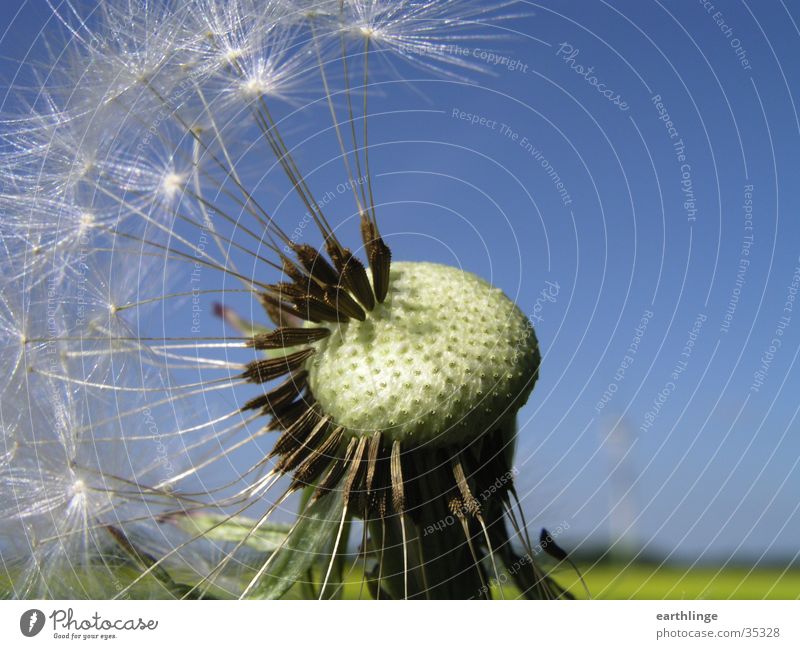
651	217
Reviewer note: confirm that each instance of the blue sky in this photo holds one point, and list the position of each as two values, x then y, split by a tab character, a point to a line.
599	197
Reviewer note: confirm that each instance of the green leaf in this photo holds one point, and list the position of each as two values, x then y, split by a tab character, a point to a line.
148	562
218	527
310	540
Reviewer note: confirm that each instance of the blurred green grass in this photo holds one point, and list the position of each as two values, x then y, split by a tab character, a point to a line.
651	581
606	580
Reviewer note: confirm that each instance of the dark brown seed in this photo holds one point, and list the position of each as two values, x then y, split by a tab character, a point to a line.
281	395
347	464
313	261
286	291
380	488
379	256
340	300
265	370
303	282
296	432
288	337
311	468
352	274
372	458
456	507
294	272
398	491
357	485
286	414
319	311
300	442
380	260
281	313
469	501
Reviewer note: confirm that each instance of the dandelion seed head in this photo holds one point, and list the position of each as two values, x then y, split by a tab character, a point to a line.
87	220
258	85
173	184
232	54
120	49
129	197
429	34
443	360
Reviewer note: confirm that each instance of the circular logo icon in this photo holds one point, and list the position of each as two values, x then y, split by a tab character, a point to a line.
31	622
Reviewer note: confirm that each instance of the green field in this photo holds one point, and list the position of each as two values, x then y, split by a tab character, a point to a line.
645	581
649	581
606	581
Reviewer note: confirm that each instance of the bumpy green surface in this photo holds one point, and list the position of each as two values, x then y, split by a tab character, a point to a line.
442	360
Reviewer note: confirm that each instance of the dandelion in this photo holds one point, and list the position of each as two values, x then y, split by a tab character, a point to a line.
428	35
193	328
62	492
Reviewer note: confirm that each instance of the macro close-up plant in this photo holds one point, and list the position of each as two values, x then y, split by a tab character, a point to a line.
399	300
140	186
